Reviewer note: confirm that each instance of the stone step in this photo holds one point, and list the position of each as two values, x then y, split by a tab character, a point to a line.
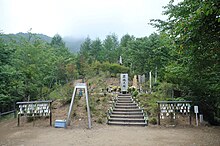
126	116
126	113
127	107
126	110
127	123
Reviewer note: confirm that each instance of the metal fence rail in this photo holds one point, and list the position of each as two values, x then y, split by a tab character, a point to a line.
8	112
7	109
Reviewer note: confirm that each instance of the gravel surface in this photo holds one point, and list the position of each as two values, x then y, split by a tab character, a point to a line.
104	135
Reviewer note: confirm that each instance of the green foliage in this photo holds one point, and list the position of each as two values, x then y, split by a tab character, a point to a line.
31	69
194	27
7	75
164	89
153	121
116	68
135	93
57	41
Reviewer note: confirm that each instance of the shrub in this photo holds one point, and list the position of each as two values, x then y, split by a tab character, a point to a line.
153	121
100	121
135	93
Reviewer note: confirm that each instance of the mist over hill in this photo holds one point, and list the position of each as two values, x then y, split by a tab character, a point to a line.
72	43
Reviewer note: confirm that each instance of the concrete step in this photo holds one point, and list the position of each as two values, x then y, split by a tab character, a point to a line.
127	107
125	101
127	120
126	110
127	116
126	113
124	98
126	104
121	99
127	123
124	94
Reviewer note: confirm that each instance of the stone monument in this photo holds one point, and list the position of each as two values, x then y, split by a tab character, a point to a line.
134	81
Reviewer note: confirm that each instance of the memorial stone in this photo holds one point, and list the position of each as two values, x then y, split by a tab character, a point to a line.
134	81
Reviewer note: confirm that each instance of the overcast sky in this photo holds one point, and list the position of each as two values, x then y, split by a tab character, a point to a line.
80	18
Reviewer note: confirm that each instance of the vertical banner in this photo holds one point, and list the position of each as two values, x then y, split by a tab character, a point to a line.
124	82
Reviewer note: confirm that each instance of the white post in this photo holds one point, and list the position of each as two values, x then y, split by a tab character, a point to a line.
196	111
201	118
197	123
88	109
156	74
71	106
150	80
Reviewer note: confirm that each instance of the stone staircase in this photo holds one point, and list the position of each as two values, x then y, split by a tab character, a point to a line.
125	111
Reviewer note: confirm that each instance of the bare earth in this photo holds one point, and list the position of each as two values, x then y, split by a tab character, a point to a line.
43	135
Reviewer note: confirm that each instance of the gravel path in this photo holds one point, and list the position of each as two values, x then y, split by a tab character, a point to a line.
104	135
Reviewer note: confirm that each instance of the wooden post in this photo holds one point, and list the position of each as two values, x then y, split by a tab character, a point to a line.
190	119
50	114
158	114
15	111
190	116
18	120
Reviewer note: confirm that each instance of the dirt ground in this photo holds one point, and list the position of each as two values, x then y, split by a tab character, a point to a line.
41	134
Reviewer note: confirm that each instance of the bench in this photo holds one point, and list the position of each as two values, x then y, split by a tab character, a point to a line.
35	109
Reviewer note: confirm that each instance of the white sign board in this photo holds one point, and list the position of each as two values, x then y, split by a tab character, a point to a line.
196	109
124	82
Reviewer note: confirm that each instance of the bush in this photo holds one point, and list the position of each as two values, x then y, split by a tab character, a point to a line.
135	93
100	121
153	121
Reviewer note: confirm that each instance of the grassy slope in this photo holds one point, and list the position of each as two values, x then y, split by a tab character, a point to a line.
99	102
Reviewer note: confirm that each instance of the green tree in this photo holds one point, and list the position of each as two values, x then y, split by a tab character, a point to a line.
96	49
194	27
111	45
57	41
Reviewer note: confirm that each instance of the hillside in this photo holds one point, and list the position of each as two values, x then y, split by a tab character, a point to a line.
72	43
